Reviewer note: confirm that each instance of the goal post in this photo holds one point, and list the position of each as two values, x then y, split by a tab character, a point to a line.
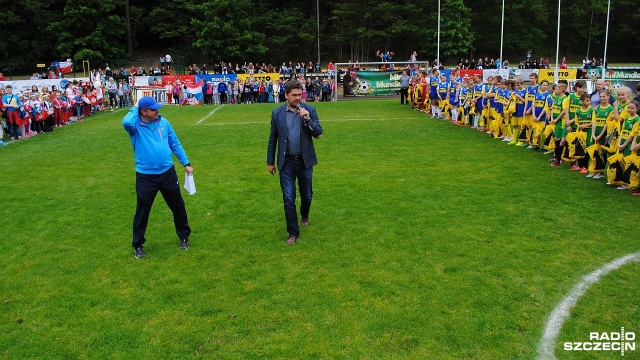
372	80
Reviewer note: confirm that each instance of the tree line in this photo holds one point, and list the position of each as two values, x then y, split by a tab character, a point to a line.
273	31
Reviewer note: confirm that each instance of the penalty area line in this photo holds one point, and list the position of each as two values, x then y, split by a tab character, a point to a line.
209	115
546	349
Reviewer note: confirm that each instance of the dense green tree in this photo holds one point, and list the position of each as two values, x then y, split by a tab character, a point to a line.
225	30
92	30
456	36
24	46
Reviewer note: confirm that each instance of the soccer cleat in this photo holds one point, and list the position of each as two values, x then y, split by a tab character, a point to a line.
597	176
549	152
184	244
552	159
555	163
623	187
138	252
591	175
575	168
584	171
530	147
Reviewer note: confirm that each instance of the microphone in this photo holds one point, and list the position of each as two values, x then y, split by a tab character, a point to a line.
306	117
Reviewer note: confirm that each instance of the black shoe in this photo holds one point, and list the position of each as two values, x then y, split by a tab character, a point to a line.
139	252
184	244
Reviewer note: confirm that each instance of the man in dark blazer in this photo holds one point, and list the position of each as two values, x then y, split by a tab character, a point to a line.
293	127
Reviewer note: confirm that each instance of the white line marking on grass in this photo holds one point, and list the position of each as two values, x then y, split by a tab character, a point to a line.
211	113
323	121
562	311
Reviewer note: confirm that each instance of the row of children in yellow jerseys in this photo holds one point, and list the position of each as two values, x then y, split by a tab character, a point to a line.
599	141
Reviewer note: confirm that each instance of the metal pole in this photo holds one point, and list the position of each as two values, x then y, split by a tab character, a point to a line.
502	35
590	27
318	15
606	39
438	52
555	73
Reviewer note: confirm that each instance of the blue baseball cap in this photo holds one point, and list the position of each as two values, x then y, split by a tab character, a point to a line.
148	102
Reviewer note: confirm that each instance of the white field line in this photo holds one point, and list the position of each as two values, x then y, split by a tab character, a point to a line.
209	115
563	310
322	121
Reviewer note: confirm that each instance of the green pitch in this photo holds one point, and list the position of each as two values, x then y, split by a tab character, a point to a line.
427	241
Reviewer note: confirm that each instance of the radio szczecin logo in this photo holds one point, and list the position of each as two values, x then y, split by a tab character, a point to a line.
612	341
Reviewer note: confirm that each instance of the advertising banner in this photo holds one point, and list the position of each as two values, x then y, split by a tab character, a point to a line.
467	73
25	85
216	78
625	74
375	83
504	73
565	74
525	73
273	77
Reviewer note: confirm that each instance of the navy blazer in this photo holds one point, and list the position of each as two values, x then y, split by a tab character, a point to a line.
278	136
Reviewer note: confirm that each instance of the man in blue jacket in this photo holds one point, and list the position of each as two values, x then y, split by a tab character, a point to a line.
154	141
293	127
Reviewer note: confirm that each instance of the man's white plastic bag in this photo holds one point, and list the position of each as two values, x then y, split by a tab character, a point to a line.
189	184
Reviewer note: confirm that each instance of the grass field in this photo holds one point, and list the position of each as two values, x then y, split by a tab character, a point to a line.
427	241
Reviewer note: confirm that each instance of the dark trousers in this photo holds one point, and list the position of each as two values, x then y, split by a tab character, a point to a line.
404	95
147	186
112	99
291	170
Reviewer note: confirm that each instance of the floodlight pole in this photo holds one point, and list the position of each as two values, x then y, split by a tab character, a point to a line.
438	51
502	35
606	39
555	73
318	18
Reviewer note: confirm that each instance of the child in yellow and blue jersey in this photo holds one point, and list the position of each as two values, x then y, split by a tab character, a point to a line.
443	91
517	119
541	111
454	99
433	93
463	108
532	90
478	88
